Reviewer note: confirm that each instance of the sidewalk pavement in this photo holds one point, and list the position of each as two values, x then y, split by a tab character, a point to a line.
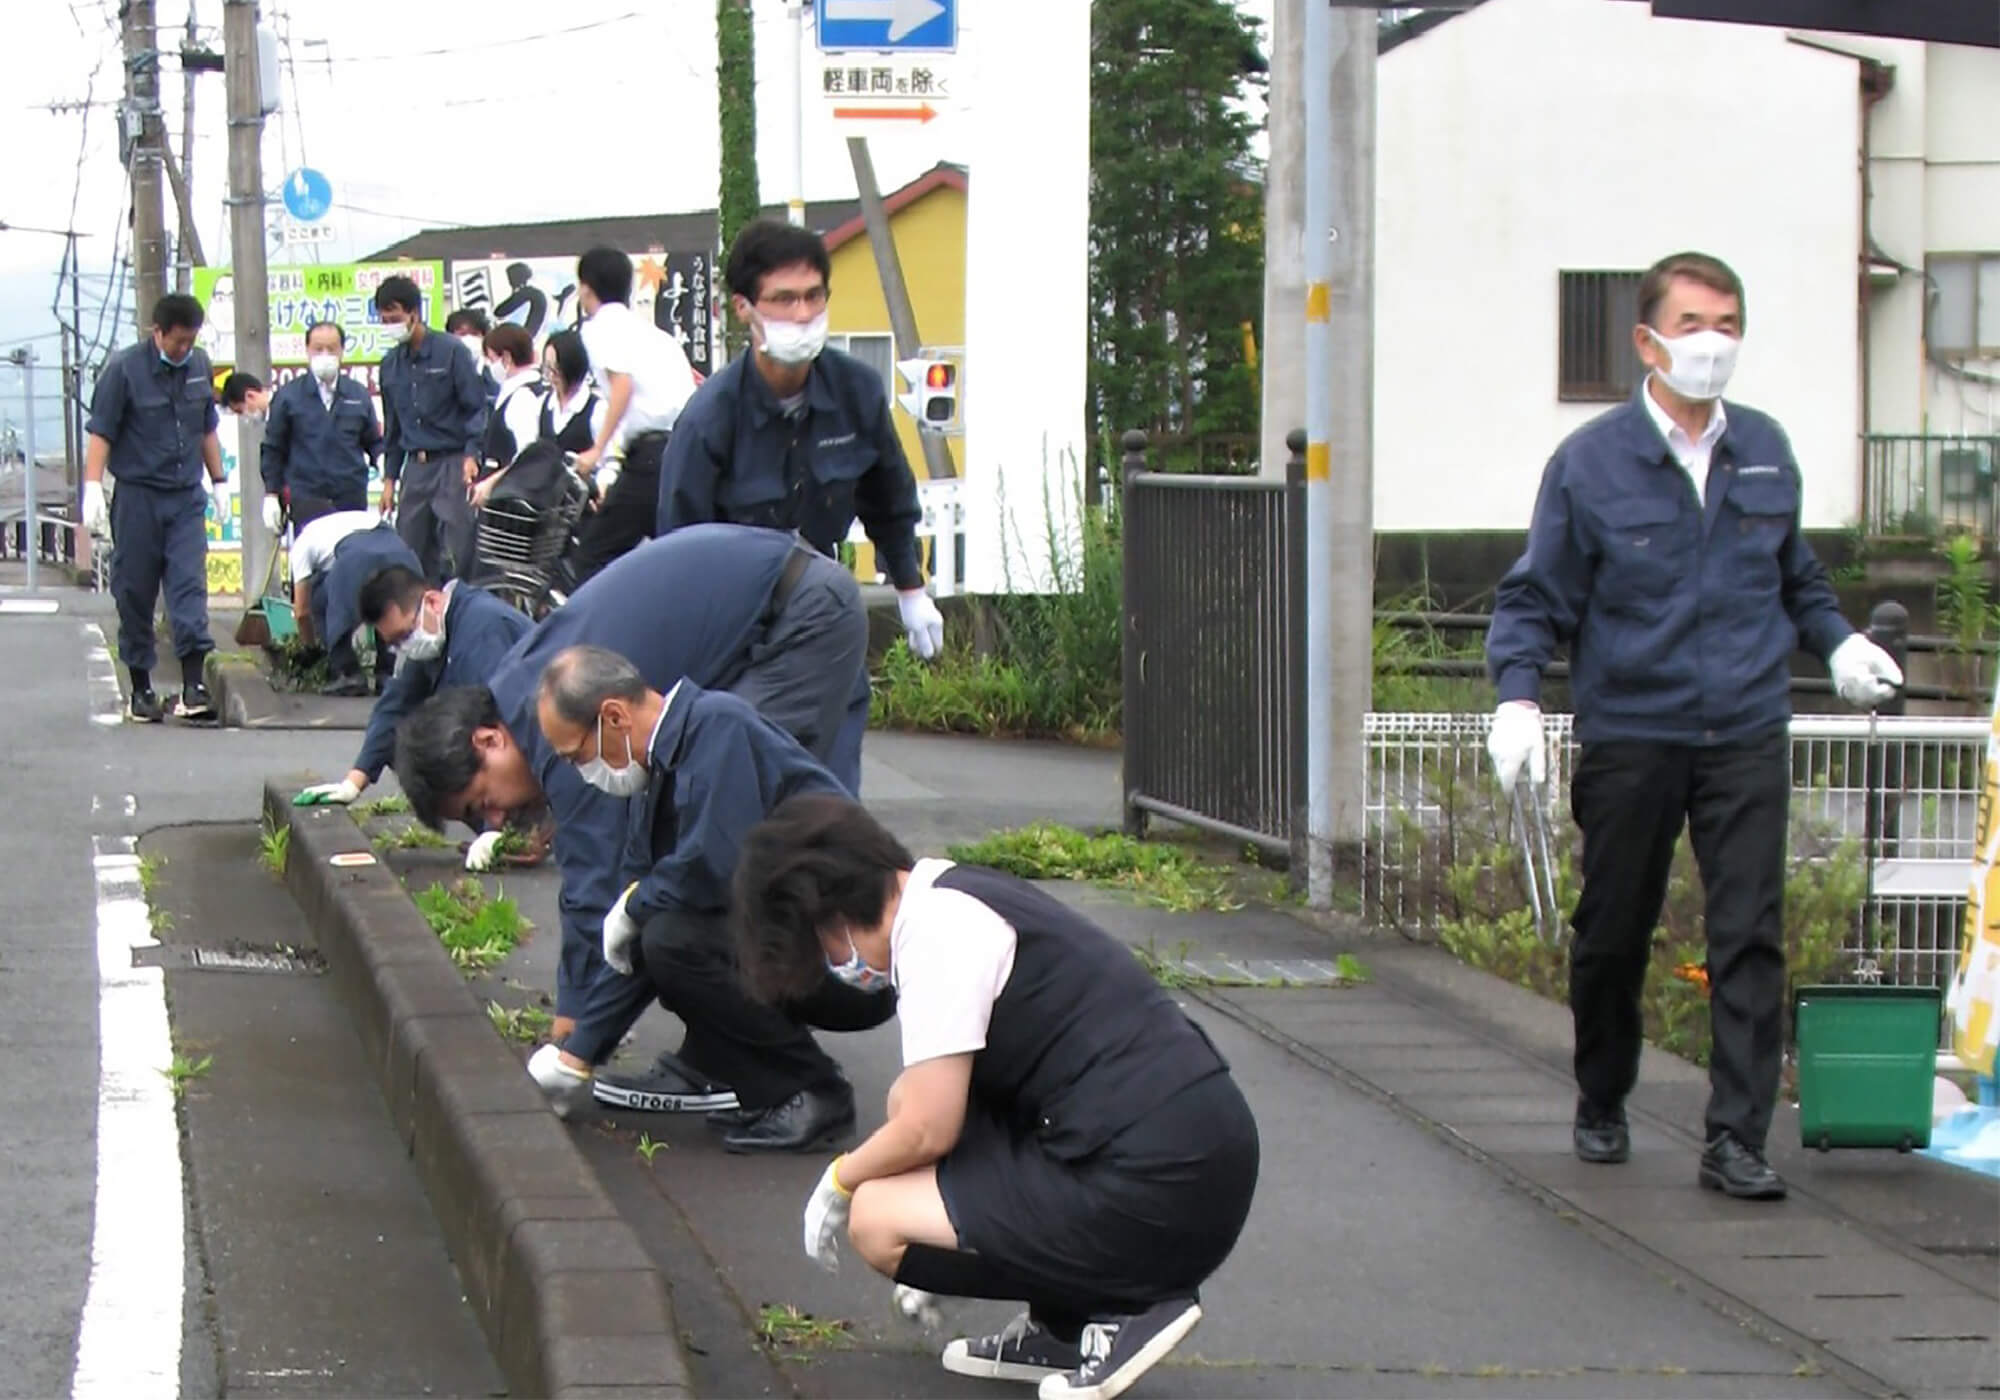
1421	1227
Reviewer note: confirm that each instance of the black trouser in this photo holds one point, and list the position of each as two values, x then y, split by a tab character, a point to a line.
306	507
765	1053
1630	800
625	516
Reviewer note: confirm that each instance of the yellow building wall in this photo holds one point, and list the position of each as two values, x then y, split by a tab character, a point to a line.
930	243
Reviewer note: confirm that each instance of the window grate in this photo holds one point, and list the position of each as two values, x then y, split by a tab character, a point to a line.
1595	361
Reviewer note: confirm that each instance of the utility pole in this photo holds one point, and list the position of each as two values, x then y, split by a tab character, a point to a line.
1339	400
143	135
187	247
247	268
1281	365
25	358
796	16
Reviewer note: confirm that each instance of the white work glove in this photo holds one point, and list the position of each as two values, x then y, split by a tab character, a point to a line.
218	496
96	516
568	1089
607	476
1863	673
484	852
274	513
1515	742
826	1217
336	794
919	1307
621	930
923	622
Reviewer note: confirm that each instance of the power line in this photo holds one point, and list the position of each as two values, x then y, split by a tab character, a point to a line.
461	49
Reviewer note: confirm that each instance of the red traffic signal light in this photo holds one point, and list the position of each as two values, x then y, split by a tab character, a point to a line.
939	376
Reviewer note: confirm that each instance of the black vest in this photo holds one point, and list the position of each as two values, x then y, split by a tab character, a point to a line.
498	444
1083	1042
576	435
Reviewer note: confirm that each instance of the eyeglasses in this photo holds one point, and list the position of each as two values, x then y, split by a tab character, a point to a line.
789	300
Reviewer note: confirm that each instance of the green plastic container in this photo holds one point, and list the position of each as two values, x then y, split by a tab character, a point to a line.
1867	1062
278	617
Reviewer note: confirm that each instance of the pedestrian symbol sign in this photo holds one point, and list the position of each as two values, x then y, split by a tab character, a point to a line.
899	26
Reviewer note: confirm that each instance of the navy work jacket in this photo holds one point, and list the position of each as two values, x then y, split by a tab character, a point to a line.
717	769
155	416
1681	620
479	631
315	450
433	400
736	455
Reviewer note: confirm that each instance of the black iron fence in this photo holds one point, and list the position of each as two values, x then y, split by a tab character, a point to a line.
1922	487
1214	648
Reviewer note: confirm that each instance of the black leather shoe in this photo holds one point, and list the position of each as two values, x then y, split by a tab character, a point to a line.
1735	1170
812	1120
1601	1135
195	701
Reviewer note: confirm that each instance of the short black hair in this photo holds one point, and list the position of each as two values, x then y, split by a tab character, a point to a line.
607	272
238	387
435	755
469	319
765	245
177	311
399	291
572	360
817	861
336	327
395	584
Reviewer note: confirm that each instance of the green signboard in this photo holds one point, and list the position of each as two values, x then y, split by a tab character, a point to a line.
302	297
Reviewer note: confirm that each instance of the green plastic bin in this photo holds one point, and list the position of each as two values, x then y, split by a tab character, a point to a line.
278	617
1867	1062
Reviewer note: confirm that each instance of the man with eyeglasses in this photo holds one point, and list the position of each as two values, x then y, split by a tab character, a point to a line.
795	436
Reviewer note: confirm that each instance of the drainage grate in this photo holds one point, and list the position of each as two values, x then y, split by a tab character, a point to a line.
230	960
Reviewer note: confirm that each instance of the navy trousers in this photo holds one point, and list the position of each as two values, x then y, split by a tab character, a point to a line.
158	536
434	517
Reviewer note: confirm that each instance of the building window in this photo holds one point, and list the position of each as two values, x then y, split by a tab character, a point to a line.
875	349
1963	320
1595	313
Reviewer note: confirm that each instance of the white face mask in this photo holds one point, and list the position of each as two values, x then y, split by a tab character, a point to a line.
619	782
397	333
325	367
423	644
795	342
1700	363
477	345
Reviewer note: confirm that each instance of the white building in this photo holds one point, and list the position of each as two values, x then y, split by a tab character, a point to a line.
1536	155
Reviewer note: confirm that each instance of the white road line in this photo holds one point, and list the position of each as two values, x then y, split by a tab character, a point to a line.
107	702
129	1341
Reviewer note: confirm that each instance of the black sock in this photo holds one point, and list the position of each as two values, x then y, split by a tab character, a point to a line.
141	680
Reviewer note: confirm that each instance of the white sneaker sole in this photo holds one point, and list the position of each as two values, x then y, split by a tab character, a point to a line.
1125	1377
646	1101
958	1360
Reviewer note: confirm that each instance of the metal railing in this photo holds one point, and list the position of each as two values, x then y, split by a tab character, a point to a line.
1214	649
1917	486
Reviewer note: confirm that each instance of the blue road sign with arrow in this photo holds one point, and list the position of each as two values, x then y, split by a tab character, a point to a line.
308	195
887	26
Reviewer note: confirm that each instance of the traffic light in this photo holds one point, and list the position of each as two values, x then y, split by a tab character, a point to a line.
933	395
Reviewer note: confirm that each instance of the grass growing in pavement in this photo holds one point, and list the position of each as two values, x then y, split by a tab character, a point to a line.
157	918
476	928
1169	876
273	845
783	1325
394	805
412	836
527	1024
184	1070
647	1147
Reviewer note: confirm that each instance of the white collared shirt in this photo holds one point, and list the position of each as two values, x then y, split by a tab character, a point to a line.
950	956
521	412
619	342
1692	453
327	391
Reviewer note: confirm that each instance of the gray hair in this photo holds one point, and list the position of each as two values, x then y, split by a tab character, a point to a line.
578	680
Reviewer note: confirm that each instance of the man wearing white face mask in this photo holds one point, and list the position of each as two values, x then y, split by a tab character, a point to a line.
321	437
1665	550
644	378
799	437
331	559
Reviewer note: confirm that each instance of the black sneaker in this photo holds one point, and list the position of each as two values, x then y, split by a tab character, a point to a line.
195	703
146	707
1119	1350
349	685
1025	1351
670	1086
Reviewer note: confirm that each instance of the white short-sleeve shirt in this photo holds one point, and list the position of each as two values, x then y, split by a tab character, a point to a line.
619	342
950	957
312	548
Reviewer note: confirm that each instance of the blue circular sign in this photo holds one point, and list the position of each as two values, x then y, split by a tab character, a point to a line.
307	195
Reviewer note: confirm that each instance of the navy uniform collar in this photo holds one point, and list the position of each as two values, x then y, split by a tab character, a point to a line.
764	404
1641	435
670	731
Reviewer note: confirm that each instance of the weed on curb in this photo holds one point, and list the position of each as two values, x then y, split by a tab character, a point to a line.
273	846
528	1024
184	1070
394	805
781	1325
412	836
476	928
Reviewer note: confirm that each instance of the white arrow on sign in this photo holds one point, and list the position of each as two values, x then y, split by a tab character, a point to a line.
902	16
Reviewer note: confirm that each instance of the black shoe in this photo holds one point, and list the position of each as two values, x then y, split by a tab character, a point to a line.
146	707
811	1120
1119	1350
353	683
195	703
1601	1135
670	1086
1735	1170
729	1120
1025	1351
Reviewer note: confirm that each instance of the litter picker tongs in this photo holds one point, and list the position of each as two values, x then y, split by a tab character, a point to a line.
1531	827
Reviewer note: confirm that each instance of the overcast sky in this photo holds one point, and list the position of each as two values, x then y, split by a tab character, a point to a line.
420	114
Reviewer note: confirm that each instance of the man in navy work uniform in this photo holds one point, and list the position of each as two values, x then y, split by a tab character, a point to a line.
1665	550
331	559
727	607
454	635
702	769
434	405
152	426
319	439
798	437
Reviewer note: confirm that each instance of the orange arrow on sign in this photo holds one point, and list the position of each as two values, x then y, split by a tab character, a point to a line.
907	114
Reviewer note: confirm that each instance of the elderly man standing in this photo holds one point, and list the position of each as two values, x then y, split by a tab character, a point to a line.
152	426
1665	551
321	437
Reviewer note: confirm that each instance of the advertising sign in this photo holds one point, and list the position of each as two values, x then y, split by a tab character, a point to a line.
302	297
676	291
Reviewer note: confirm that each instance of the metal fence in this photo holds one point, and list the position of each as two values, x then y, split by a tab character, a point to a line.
1921	487
1433	809
1214	649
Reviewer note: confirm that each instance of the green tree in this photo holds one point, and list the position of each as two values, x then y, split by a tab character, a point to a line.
736	96
1176	217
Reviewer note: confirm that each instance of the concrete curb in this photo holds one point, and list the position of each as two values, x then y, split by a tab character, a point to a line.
239	690
570	1304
